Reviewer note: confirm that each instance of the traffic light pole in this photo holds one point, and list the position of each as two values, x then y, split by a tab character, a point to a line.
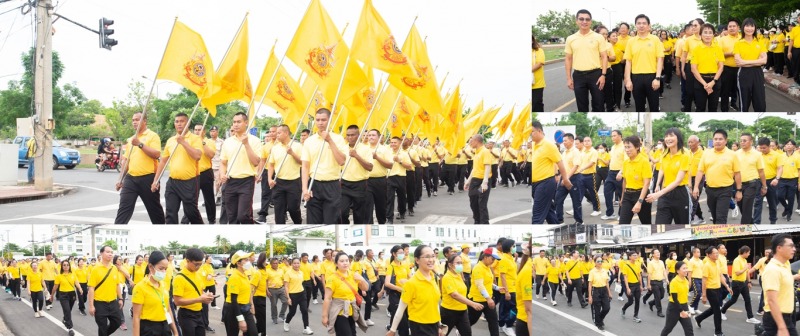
43	98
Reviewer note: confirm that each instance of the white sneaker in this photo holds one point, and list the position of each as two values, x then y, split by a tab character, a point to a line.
753	320
388	313
315	301
797	211
595	213
285	326
544	297
370	323
691	311
216	308
503	330
724	318
698	312
49	307
307	331
537	296
612	217
568	212
621	299
510	331
555	303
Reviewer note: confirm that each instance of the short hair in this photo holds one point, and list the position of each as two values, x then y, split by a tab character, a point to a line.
569	135
305	131
355	127
242	114
479	137
617	131
733	20
285	127
764	141
686	27
640	16
537	125
708	26
710	250
323	110
51	253
181	114
633	140
396	138
583	11
700	21
375	130
721	131
744	249
194	254
779	240
790	141
748	135
101	249
625	24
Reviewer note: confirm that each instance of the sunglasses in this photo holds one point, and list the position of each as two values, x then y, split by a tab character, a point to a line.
585	19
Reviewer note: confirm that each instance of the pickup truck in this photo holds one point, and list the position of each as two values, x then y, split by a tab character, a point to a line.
62	156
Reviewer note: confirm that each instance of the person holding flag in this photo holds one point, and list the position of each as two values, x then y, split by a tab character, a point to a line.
284	176
206	177
377	182
266	191
138	173
354	180
397	181
238	163
320	171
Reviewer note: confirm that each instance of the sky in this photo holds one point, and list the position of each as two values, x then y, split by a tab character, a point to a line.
477	41
665	13
614	119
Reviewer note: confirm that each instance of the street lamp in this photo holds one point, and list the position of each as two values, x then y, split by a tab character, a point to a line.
610	23
157	85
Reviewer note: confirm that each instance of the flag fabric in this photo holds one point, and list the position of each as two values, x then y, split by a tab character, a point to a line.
232	81
186	61
487	117
284	94
360	104
420	87
454	118
472	123
519	135
503	123
375	45
318	49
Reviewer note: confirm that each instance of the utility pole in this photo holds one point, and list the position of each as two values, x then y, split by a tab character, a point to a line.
43	97
648	129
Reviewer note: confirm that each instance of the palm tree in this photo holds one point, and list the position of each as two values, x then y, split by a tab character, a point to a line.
218	241
225	245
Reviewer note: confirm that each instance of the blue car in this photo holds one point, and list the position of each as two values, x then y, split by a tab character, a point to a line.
62	156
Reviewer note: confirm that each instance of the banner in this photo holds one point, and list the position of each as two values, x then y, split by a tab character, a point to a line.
721	230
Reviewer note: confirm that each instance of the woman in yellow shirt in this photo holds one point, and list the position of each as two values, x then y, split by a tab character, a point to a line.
210	283
779	41
635	176
678	307
259	282
537	87
396	276
454	297
238	310
151	312
750	56
668	59
82	273
36	287
316	267
65	285
124	269
340	291
707	62
672	260
293	285
553	280
674	177
13	274
420	297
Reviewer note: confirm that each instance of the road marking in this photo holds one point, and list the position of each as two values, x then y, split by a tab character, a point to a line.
558	109
85	219
93	188
511	215
51	318
437	219
561	67
574	319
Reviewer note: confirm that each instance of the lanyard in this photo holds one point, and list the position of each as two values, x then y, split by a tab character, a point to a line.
160	297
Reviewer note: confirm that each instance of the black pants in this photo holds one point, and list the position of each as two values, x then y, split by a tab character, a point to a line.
575	194
505	173
739	288
785	193
376	199
324	206
466	170
492	180
587	184
796	64
601	176
657	289
37	300
689	89
634	298
266	194
182	192
433	171
629	199
418	177
619	76
345	326
396	187
423	329
541	284
714	297
577	285
411	191
750	191
150	328
585	83
538	100
751	89
82	298
718	203
772	202
450	176
674	206
728	87
260	304
770	60
779	62
286	197
478	202
354	196
674	317
298	299
308	287
611	190
14	285
191	322
458	319
426	180
771	328
707	101
696	211
232	325
49	284
206	179
134	187
107	316
543	192
521	328
394	301
601	305
643	92
375	288
490	315
608	90
238	201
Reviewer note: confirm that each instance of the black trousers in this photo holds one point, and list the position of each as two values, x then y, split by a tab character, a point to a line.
37	300
206	179
324	206
601	305
772	203
191	322
286	197
618	71
634	298
232	325
67	300
629	199
376	199
345	326
489	313
796	64
458	319
134	187
785	193
433	170
396	187
608	90
411	191
260	303
611	190
461	177
702	99
751	89
492	180
107	316
418	177
674	317
151	328
575	194
521	328
308	287
49	284
739	288
779	62
728	87
750	191
298	299
771	328
450	176
266	195
696	211
657	289
543	192
585	83
690	84
718	203
182	192
538	100
505	173
238	195
394	301
674	206
354	196
82	298
643	92
426	181
479	201
714	297
577	285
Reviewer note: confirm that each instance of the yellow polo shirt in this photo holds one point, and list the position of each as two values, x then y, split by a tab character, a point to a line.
397	167
632	271
572	158
182	287
482	157
289	168
139	164
656	270
453	283
771	162
35	281
294	280
679	286
751	161
598	278
587	156
778	277
48	269
259	280
585	50
540	265
672	164
603	157
617	156
545	157
340	289
328	167
354	172
385	153
242	167
266	149
524	291
422	297
739	264
707	57
619	52
689	44
154	300
538	75
748	51
726	43
495	151
66	282
506	154
644	53
790	165
636	171
239	284
781	39
182	166
719	167
711	273
480	274
205	161
694	162
696	268
107	292
508	266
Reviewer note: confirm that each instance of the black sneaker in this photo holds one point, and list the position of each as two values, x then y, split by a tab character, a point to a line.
627	104
211	330
411	213
262	219
601	327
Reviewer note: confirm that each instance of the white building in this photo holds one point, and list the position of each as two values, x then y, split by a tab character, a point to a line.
383	237
77	239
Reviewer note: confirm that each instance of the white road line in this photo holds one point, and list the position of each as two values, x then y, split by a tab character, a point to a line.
561	67
574	319
84	219
511	215
51	318
93	188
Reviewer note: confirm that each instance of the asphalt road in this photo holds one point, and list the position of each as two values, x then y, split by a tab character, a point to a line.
96	201
559	98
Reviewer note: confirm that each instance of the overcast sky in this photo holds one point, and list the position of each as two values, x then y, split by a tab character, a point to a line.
663	12
616	119
480	41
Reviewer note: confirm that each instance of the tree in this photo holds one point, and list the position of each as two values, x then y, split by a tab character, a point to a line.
415	242
111	244
681	120
776	128
553	25
766	13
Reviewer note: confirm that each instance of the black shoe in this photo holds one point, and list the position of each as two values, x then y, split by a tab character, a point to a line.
697	321
584	305
375	307
211	330
411	213
274	321
569	304
262	219
627	104
669	86
623	313
601	328
644	300
213	221
83	312
660	314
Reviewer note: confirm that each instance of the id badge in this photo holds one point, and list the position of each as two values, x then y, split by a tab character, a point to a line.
169	318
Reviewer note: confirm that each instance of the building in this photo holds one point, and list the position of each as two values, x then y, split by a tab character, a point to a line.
383	237
78	240
567	237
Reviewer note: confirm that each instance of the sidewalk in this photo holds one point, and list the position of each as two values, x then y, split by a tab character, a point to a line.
27	192
781	83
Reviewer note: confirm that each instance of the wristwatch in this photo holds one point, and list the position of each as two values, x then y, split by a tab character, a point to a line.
738	190
640	201
140	145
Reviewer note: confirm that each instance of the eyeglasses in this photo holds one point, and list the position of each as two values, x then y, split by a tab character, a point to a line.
585	19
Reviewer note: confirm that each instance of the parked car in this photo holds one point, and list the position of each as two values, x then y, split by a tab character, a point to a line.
62	156
215	263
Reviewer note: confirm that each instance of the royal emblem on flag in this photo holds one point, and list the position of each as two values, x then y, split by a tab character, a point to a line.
425	116
368	96
283	108
195	70
321	60
394	121
404	106
392	53
422	74
284	90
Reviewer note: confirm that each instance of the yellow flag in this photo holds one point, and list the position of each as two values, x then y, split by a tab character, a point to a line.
455	120
383	111
284	94
402	116
489	116
359	104
186	61
472	123
375	45
232	81
422	86
318	49
523	122
502	124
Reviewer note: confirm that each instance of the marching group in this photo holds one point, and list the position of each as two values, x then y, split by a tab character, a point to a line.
715	65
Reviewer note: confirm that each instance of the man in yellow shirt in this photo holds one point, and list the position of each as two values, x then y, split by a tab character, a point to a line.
656	274
262	174
437	158
238	162
588	174
105	296
741	284
572	159
48	269
185	150
206	177
540	266
713	281
794	51
323	155
411	175
396	185
188	294
478	181
545	158
495	153
377	182
728	79
695	154
586	54
284	176
136	177
721	168
754	183
787	186
354	180
645	61
612	189
574	279
507	155
773	169
778	285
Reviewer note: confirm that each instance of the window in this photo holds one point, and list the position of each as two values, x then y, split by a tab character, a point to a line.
475	233
390	230
448	232
375	230
440	232
345	233
70	239
429	229
60	230
61	247
69	248
462	233
626	231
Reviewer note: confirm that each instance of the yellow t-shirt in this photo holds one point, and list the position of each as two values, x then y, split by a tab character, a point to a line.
795	36
422	297
690	43
679	286
48	269
139	164
508	266
289	168
204	272
790	165
726	43
205	160
635	171
401	273
553	274
259	280
274	277
524	291
781	40
35	281
573	269
495	159
619	52
739	264
644	53
182	287
182	166
748	51
397	167
672	164
632	271
601	157
137	272
771	162
696	268
242	167
586	50
668	47
66	282
295	280
656	270
538	75
540	265
240	285
707	57
453	283
598	278
778	277
385	153
305	267
154	300
719	167
572	158
328	169
480	274
750	161
354	171
107	292
694	158
671	265
589	155
711	273
479	161
82	274
506	154
617	156
340	289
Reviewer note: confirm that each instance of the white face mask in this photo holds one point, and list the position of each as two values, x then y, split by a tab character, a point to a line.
160	275
674	257
624	257
248	265
401	256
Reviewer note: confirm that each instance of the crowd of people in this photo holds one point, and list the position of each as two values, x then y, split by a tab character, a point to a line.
166	297
379	179
718	67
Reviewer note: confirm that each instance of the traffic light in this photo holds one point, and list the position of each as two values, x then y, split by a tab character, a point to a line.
105	32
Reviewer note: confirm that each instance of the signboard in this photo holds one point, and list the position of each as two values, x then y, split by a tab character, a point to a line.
254	131
556	133
603	133
580	238
358	232
721	230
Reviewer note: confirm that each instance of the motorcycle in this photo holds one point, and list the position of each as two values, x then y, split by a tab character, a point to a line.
104	162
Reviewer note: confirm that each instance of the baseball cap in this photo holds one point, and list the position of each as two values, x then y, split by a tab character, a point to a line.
492	252
239	255
463	246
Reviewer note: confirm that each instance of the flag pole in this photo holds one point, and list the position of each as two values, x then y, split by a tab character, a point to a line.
372	109
297	131
124	169
189	121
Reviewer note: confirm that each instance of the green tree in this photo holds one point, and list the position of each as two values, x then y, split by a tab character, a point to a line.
415	242
555	24
777	128
765	12
681	120
111	243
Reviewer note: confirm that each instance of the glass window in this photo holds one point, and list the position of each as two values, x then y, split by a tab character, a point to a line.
390	230
375	230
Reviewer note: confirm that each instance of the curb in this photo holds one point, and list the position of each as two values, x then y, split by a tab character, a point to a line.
792	92
59	191
553	61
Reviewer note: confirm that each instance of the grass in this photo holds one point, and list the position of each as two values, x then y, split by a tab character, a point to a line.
87	165
87	150
552	53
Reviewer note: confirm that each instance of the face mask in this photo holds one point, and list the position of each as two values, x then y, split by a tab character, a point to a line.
624	257
401	256
674	257
459	268
248	265
659	146
160	275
